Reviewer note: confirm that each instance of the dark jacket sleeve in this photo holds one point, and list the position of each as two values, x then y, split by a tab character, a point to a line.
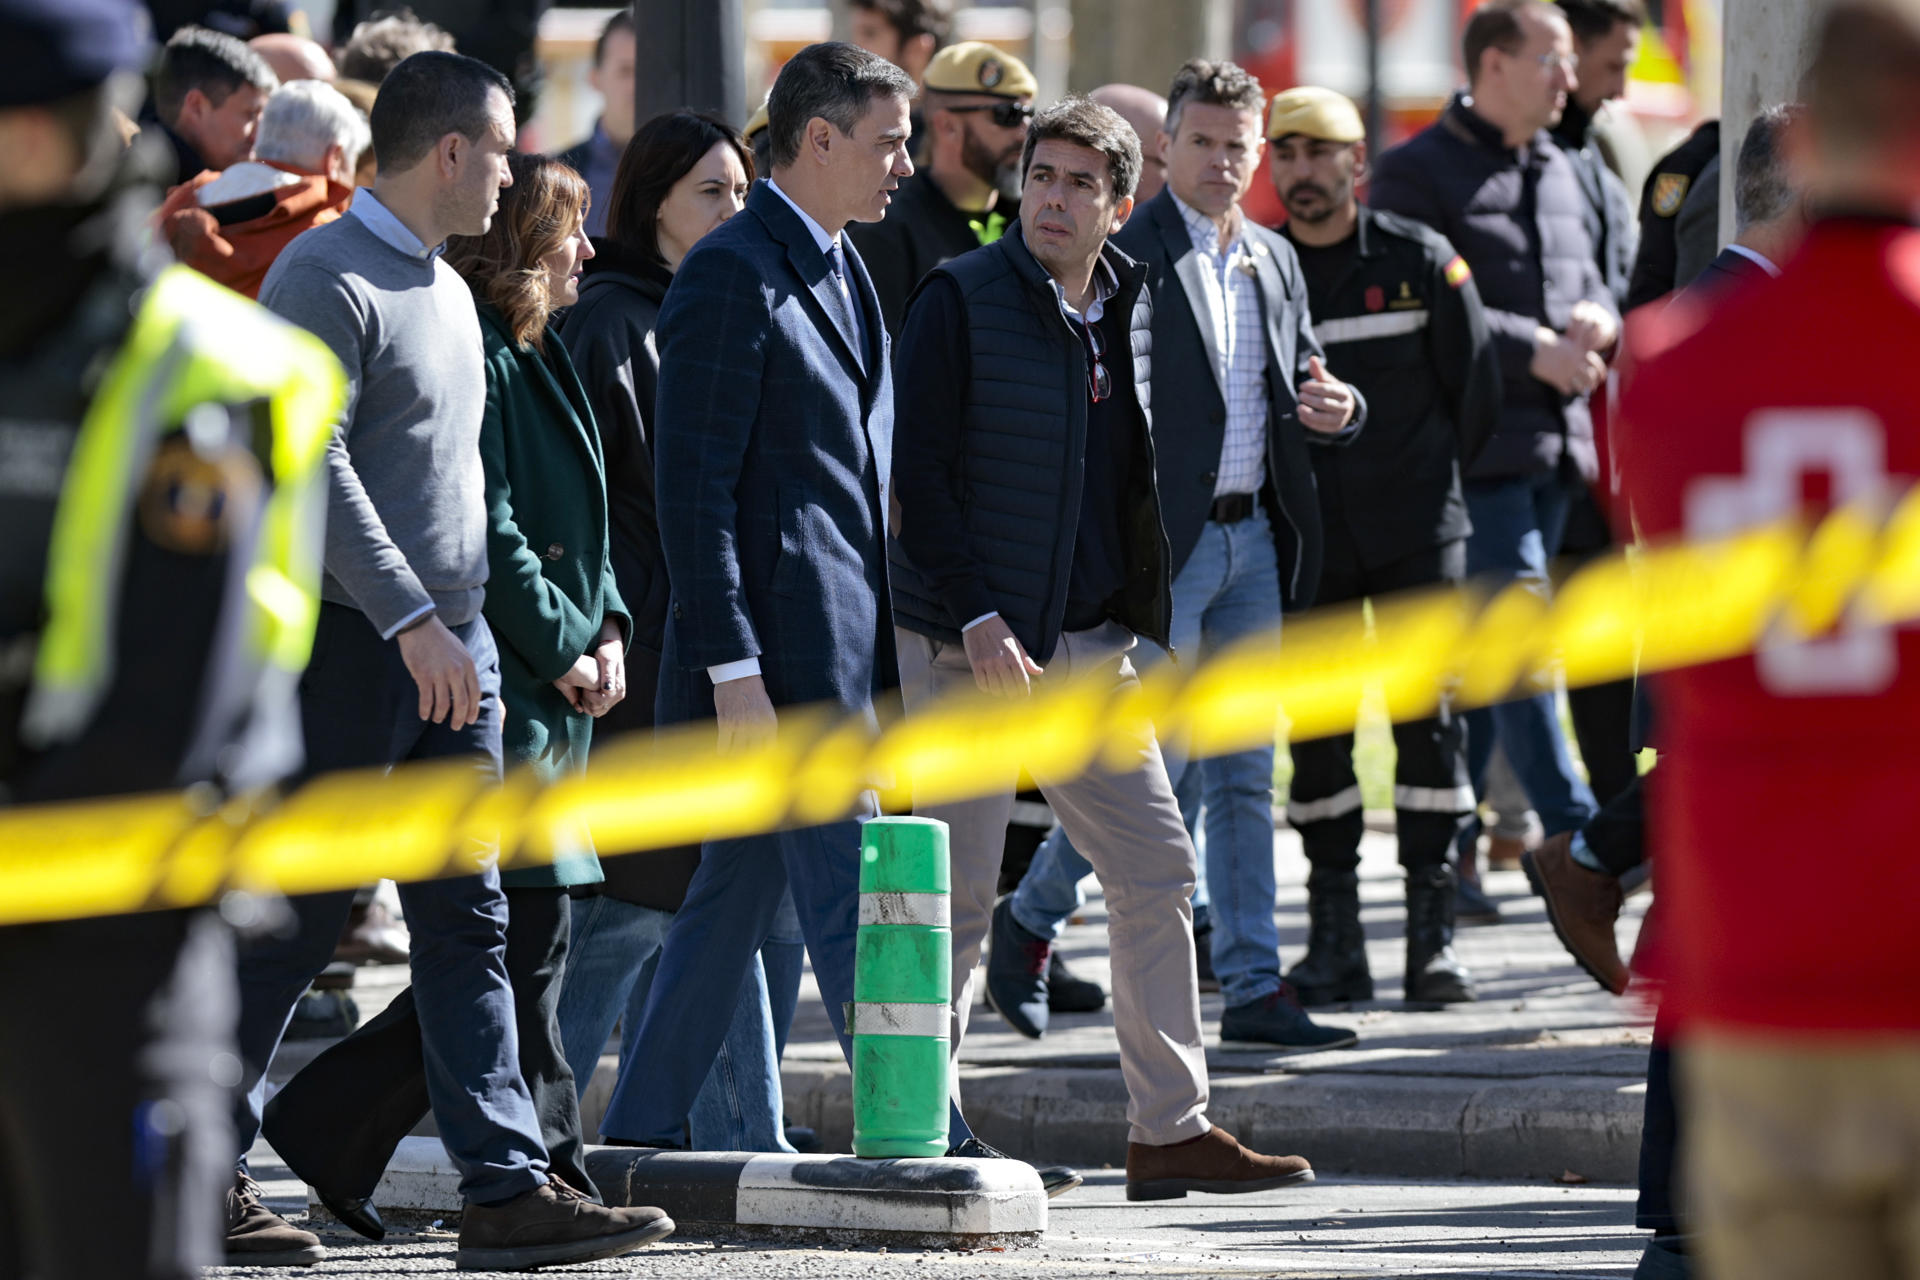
1463	357
620	381
884	252
931	369
527	613
1306	346
1399	187
713	334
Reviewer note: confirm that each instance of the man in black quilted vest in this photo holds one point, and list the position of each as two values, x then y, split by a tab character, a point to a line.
1026	548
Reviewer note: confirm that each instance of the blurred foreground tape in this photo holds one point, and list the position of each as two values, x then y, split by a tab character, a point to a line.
1646	609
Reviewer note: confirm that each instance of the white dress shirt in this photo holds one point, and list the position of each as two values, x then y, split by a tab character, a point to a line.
1233	303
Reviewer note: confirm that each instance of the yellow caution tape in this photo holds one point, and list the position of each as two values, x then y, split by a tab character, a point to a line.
1644	609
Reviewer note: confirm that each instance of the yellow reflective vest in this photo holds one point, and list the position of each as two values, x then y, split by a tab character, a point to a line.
192	343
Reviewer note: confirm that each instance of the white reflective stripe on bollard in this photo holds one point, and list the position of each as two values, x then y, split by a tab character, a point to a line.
934	909
894	1019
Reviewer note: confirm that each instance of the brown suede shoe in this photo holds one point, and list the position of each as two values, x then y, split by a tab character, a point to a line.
259	1237
1504	852
552	1225
1212	1162
1583	906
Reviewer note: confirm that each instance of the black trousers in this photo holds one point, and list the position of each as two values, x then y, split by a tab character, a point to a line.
1433	796
342	1115
116	1061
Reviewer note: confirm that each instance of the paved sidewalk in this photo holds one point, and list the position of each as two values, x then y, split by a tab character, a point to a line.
1544	1076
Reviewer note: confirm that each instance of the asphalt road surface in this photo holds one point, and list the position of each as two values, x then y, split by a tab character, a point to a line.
1337	1228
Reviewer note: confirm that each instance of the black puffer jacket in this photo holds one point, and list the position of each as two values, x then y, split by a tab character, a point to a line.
1519	219
987	521
1610	222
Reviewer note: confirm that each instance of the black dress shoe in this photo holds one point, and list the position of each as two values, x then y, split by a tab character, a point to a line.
1055	1179
1067	992
361	1215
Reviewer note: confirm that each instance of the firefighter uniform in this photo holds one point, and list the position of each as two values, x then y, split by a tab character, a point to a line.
161	443
1397	311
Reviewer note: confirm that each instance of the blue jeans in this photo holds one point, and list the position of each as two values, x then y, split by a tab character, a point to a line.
730	911
1516	530
616	951
1229	588
783	955
360	707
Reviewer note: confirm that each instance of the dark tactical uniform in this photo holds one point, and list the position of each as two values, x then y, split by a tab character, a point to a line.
1398	313
922	229
116	1034
1661	199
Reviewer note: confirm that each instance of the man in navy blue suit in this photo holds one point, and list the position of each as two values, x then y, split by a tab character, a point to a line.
774	436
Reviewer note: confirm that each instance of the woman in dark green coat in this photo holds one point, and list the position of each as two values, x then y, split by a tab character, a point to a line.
555	611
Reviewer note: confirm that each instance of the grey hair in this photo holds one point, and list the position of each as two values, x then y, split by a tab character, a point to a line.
1218	84
305	117
1762	187
833	81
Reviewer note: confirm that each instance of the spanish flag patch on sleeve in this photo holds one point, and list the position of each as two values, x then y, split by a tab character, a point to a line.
1457	272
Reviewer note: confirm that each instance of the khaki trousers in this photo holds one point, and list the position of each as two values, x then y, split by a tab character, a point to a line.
1128	826
1803	1155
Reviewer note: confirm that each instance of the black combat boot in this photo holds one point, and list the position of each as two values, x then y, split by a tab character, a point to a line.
1334	969
1434	974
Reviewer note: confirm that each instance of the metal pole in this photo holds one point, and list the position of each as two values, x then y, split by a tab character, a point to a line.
1376	100
693	55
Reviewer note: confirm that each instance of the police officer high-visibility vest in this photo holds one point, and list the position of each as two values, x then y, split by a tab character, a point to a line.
193	346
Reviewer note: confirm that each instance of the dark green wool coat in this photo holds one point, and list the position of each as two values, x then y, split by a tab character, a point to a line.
550	582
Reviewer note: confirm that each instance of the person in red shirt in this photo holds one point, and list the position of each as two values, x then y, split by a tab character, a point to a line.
1791	954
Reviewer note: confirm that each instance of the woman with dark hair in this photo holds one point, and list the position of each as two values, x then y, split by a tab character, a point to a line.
681	175
552	600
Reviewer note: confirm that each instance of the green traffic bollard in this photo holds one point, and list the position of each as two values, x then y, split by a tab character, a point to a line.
902	990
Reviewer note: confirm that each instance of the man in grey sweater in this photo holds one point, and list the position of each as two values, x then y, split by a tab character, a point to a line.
404	668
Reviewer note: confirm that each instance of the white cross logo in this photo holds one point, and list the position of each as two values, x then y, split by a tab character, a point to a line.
1782	447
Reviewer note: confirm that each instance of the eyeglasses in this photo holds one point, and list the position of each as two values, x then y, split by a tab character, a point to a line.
1548	61
1005	114
1099	381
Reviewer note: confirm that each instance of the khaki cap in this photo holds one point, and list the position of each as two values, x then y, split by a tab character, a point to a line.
974	66
755	122
1315	113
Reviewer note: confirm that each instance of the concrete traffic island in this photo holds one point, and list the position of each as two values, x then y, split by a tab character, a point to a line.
833	1199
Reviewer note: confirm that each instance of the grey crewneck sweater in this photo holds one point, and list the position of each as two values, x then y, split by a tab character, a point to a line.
406	511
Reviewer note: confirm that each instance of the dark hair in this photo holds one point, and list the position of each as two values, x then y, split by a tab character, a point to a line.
1863	87
622	20
661	152
386	40
1762	187
1081	120
1216	84
544	206
912	18
836	82
1495	25
427	97
1596	19
214	63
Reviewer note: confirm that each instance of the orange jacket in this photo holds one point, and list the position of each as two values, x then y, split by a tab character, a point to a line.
236	239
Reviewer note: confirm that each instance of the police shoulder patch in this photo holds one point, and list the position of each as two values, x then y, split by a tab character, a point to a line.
1457	271
1670	192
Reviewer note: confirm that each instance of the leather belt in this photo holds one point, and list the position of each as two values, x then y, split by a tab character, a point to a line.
1232	509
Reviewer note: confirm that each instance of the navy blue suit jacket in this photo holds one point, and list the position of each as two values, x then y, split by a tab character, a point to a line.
772	450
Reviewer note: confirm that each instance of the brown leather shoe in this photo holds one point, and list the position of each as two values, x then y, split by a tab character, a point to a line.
1583	906
1213	1162
549	1226
1504	852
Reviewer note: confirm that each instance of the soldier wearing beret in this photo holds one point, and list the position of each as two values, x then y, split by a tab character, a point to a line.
977	102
